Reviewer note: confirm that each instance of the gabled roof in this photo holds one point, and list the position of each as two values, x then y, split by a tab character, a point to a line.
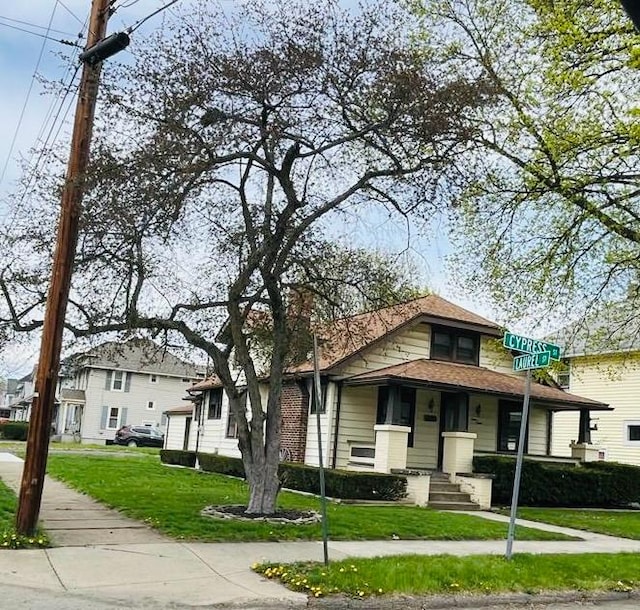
141	355
206	384
344	338
466	377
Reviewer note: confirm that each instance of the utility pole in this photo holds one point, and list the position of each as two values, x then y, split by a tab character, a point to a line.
51	343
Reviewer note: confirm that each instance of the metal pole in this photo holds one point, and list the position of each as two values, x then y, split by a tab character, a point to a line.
519	458
51	343
323	497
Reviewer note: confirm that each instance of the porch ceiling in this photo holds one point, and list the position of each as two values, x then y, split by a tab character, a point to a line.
464	377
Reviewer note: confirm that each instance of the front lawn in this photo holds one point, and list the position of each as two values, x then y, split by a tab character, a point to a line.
625	524
171	499
446	574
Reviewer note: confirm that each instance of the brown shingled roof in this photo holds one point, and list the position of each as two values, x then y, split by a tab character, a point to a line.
206	384
181	410
344	338
448	375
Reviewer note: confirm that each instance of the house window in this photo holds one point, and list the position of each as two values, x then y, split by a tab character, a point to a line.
563	374
509	420
215	404
117	381
150	405
232	425
114	418
324	382
632	432
397	405
153	378
454	345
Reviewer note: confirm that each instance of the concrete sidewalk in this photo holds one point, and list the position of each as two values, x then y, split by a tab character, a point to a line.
154	572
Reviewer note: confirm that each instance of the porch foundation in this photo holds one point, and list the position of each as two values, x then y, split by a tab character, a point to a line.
458	452
391	447
585	452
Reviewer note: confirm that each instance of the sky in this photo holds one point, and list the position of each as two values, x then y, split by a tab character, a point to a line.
28	109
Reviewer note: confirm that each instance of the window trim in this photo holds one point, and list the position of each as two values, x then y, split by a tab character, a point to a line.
324	385
123	379
151	405
217	412
118	416
627	424
454	335
153	378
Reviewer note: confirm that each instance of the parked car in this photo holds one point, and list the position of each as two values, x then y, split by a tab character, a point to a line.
139	436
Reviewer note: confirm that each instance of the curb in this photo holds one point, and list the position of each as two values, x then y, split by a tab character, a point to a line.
444	602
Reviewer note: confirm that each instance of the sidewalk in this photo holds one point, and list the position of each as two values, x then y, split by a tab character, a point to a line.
98	560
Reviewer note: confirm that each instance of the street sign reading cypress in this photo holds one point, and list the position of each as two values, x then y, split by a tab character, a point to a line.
531	361
530	346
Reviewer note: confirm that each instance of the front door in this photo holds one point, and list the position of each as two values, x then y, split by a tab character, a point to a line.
509	419
454	417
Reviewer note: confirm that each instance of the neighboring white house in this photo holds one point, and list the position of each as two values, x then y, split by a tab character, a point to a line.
19	397
116	384
603	366
414	386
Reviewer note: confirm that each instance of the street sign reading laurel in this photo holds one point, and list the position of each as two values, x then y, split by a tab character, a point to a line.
531	361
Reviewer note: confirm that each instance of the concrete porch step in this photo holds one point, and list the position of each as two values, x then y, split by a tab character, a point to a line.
449	496
453	505
442	486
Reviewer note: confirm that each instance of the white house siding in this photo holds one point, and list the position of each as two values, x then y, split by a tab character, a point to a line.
311	448
614	380
167	392
409	344
485	425
357	419
424	453
174	435
537	431
495	357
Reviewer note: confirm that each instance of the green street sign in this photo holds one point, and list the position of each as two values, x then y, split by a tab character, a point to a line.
530	346
531	361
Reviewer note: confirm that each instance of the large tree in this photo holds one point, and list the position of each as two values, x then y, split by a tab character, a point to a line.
228	157
548	199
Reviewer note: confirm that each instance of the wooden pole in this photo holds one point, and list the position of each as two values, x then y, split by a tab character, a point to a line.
51	343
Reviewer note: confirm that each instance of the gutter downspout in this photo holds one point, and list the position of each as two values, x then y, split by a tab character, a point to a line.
334	457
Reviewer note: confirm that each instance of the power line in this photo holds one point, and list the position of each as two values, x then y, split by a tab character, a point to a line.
35	25
66	8
60	40
138	23
24	105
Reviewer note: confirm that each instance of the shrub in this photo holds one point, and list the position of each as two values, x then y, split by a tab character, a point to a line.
567	485
177	457
14	430
222	464
338	483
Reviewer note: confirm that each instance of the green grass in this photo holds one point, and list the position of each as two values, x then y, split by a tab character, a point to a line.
171	499
8	537
625	524
476	574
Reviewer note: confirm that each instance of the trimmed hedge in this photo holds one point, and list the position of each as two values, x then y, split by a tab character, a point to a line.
592	484
177	457
338	483
14	430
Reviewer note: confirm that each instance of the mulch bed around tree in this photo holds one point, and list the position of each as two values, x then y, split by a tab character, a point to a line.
236	511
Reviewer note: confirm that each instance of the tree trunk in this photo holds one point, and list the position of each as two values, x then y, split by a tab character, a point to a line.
264	486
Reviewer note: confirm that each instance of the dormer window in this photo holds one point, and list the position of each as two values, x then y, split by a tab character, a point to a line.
454	345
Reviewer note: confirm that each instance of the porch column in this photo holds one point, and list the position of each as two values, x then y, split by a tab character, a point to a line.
458	452
391	447
583	450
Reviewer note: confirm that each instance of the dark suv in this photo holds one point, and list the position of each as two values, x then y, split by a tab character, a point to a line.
139	436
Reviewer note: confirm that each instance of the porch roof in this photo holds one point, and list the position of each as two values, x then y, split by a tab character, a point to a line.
453	376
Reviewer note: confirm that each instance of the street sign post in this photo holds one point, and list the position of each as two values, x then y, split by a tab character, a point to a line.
531	361
530	346
534	355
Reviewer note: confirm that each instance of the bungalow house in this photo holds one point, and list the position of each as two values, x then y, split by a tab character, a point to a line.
421	385
604	365
116	384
